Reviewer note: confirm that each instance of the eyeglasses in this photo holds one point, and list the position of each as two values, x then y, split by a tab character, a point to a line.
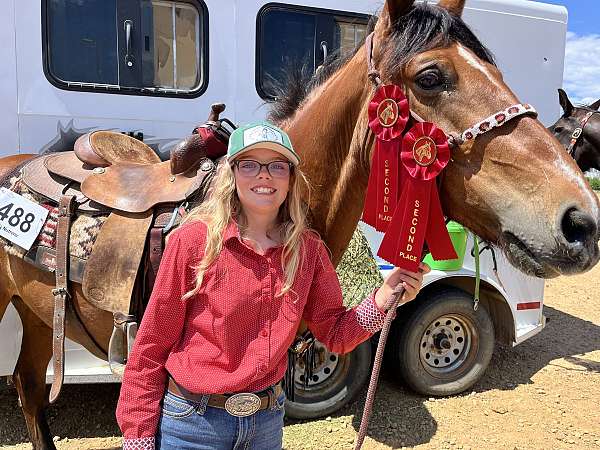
251	168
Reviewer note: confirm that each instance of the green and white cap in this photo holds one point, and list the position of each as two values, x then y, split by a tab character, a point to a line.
261	135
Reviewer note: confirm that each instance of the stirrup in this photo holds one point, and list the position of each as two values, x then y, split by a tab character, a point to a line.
121	342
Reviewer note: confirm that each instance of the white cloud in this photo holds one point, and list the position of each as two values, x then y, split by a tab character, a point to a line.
582	68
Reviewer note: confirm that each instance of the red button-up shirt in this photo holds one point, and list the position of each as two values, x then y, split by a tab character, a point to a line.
233	335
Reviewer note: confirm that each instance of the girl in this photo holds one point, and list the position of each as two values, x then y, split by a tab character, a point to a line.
234	283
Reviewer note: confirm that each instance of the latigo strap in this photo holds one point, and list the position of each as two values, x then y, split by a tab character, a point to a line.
61	292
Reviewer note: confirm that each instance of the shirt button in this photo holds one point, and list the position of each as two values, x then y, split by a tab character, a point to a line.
264	333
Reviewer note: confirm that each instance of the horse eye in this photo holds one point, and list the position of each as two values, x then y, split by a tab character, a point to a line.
429	80
559	129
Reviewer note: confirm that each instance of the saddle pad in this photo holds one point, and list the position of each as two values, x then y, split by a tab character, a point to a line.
136	188
36	178
111	270
102	148
84	230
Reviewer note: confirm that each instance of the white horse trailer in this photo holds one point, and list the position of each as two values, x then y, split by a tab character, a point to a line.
151	68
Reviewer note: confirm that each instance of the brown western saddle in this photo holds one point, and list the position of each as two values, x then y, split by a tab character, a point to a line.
114	175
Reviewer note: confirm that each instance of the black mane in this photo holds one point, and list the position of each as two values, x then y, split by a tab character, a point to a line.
422	28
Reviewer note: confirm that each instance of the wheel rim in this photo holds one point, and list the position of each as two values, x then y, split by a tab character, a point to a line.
326	364
447	344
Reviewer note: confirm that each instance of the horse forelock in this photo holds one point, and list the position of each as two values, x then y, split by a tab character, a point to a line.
423	28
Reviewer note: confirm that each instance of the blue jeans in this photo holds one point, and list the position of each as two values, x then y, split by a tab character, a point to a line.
191	425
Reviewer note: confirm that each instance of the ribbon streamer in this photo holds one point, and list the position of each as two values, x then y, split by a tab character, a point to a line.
388	115
418	216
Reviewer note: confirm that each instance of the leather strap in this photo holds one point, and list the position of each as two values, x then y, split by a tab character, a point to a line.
577	132
155	256
61	292
267	397
372	73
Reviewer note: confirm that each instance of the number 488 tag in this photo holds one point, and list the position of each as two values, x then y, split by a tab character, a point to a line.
21	220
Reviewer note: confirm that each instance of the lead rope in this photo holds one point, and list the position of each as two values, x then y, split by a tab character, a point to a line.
391	306
477	272
393	302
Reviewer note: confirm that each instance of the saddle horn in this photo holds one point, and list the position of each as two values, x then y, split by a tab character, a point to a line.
208	140
215	110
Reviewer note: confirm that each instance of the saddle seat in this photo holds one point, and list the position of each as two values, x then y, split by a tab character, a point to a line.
127	187
104	148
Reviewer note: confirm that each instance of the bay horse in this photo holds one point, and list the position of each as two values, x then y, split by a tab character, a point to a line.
514	185
584	145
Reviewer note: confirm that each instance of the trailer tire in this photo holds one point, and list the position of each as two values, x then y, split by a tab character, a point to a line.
443	346
332	393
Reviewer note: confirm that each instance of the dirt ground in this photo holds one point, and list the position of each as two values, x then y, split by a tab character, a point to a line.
543	394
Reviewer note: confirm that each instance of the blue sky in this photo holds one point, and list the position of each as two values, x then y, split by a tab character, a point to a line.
582	55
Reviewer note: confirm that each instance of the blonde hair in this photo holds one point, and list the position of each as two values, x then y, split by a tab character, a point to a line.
223	205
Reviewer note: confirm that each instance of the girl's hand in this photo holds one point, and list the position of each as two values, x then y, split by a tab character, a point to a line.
400	279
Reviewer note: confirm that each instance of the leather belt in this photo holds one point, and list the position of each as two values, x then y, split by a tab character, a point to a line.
239	405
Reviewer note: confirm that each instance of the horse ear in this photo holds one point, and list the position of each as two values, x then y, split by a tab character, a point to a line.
564	101
397	8
595	105
453	6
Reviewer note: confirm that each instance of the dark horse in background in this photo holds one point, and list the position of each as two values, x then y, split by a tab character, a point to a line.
578	130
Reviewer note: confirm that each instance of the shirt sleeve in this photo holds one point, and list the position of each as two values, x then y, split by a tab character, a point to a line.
145	376
340	329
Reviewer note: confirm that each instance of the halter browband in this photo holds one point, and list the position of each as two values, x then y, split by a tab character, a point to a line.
496	120
578	132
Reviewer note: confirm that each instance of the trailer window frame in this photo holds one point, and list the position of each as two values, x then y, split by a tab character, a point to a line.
345	16
203	63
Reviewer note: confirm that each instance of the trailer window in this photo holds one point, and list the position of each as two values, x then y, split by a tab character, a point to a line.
83	44
144	47
291	38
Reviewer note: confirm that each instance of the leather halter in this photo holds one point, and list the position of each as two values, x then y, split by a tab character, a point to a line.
496	120
578	132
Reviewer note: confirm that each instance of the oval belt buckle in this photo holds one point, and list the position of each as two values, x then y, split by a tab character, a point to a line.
242	405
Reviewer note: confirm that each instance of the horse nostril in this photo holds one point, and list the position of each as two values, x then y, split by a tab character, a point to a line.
578	227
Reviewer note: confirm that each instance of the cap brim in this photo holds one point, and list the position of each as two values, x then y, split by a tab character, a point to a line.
284	151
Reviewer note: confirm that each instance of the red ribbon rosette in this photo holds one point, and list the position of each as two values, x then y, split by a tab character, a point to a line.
418	216
388	115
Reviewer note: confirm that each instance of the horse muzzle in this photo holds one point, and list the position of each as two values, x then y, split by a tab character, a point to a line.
571	249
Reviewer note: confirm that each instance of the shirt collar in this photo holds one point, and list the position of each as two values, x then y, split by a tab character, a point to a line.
232	231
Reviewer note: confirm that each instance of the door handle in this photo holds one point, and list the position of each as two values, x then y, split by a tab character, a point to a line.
324	50
128	25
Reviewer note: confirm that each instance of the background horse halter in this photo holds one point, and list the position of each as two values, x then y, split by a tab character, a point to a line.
578	132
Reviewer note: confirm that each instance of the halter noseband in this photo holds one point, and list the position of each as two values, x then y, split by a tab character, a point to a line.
578	132
496	120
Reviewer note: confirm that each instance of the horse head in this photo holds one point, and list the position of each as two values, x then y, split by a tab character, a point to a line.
514	185
578	130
